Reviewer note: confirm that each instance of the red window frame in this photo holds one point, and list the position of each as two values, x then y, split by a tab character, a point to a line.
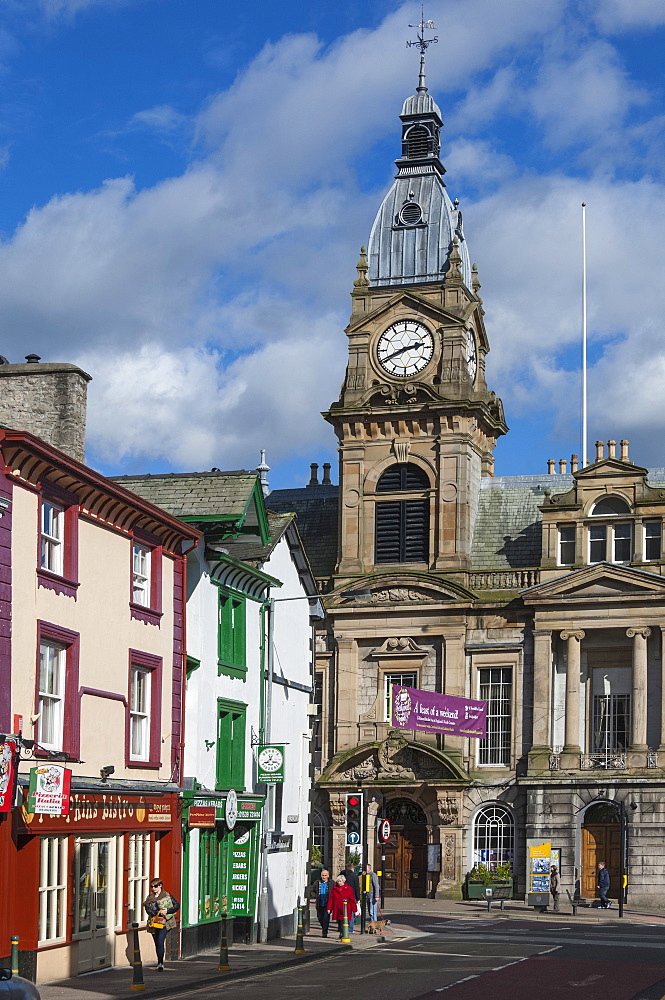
66	583
153	664
71	725
152	614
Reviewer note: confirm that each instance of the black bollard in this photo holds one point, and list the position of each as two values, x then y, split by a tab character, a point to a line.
224	949
15	955
137	981
300	944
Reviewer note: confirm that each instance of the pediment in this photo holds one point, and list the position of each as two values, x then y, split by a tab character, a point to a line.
603	580
398	590
608	468
392	759
419	304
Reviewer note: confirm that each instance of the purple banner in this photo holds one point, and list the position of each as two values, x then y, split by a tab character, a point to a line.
438	713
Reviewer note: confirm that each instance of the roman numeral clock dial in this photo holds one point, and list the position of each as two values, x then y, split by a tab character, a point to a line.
405	348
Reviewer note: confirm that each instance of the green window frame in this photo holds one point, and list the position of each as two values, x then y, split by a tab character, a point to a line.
212	875
231	728
232	633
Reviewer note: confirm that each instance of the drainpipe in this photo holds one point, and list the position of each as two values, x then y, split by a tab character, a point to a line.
267	611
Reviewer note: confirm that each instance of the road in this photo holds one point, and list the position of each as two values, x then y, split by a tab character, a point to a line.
471	959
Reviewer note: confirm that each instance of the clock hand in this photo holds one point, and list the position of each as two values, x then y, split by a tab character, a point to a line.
410	347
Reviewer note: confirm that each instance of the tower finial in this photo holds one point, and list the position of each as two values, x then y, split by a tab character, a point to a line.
422	44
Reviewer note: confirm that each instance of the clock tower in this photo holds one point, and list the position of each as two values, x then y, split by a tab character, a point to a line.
415	420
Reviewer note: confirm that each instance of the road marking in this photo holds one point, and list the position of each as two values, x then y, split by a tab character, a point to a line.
586	982
442	988
557	947
379	972
449	954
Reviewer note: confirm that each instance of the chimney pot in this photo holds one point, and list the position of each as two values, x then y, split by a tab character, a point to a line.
611	449
600	450
326	474
624	450
574	463
33	359
550	466
314	474
563	466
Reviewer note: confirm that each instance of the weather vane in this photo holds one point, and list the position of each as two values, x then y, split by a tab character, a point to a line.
423	44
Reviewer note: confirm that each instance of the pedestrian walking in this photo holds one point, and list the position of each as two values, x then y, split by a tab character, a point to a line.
372	892
160	907
554	887
341	893
352	879
322	888
603	885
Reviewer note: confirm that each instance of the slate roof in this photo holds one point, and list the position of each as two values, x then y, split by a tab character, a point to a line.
250	550
186	494
507	532
315	508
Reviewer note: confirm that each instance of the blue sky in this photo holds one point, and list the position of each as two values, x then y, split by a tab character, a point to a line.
186	183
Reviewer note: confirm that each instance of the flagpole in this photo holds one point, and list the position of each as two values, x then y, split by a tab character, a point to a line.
584	384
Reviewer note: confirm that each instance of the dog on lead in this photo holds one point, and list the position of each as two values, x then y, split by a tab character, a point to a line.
377	926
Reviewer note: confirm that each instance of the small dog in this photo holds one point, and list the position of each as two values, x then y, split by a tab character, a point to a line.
377	926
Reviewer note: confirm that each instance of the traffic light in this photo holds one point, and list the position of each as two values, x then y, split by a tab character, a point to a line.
354	819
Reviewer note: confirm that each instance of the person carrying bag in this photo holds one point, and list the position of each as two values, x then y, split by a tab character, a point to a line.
160	907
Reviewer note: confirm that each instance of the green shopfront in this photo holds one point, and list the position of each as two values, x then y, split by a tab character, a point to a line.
220	867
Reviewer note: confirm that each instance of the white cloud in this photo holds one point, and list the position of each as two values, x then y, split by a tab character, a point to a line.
621	15
161	118
57	8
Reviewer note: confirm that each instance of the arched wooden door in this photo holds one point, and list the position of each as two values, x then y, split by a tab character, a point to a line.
601	841
405	868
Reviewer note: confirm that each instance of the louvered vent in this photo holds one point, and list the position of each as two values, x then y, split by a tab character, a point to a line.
400	477
411	214
402	526
418	141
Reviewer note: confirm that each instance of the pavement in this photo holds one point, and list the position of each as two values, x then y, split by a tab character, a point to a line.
247	961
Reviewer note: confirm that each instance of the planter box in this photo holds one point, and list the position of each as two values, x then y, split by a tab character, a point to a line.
476	890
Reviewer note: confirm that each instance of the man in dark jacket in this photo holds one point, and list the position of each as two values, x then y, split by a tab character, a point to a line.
352	879
603	885
322	888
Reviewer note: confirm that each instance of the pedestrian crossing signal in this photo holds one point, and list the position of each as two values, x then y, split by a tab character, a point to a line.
354	819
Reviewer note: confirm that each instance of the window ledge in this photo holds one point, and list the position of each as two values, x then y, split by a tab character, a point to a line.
52	581
148	765
143	614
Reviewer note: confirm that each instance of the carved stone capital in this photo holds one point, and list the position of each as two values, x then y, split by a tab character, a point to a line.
642	630
573	633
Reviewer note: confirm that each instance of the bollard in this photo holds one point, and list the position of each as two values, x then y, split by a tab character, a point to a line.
137	980
300	944
224	949
345	939
15	955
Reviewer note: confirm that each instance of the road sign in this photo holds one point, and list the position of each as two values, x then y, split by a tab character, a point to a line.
383	830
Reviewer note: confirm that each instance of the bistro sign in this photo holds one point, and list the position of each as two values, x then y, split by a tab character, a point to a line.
115	812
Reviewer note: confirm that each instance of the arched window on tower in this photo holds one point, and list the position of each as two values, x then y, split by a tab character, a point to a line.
402	525
418	141
493	836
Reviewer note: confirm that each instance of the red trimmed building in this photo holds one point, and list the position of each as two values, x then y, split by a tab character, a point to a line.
92	670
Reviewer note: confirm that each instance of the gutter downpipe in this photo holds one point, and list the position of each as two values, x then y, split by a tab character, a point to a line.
267	611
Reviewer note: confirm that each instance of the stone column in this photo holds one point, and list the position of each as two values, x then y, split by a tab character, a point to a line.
542	686
638	726
346	682
453	684
573	639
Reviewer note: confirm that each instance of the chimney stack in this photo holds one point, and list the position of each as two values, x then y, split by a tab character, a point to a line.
574	463
550	466
624	450
600	451
47	400
611	449
326	474
563	466
314	474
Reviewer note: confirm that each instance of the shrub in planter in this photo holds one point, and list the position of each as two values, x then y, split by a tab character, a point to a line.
480	877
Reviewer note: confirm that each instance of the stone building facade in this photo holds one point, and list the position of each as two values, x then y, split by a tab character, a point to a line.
540	594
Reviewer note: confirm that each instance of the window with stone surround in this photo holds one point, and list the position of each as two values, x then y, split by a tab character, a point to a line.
493	836
146	578
611	541
495	686
401	524
653	535
57	702
566	544
403	678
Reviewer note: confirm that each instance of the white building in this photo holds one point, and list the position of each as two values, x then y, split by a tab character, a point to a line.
250	595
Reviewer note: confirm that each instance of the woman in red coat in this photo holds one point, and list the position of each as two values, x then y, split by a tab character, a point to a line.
341	892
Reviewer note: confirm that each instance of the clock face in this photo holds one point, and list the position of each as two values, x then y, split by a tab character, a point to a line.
270	759
405	348
471	356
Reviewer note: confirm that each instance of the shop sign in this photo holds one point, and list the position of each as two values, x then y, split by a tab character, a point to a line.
239	898
270	763
49	790
7	774
277	843
94	811
428	712
248	809
201	816
231	809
